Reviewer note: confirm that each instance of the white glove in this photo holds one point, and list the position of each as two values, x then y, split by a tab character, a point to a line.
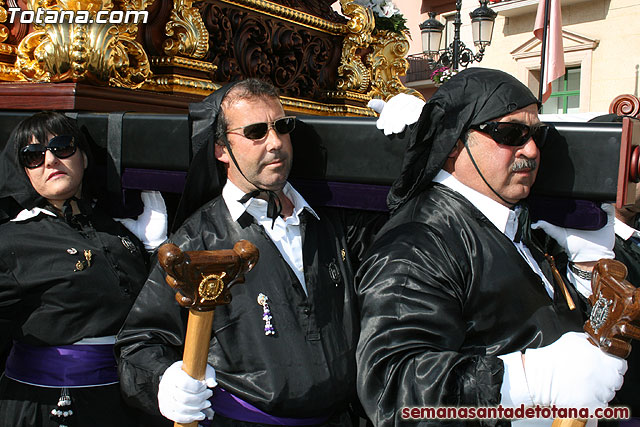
183	399
151	226
573	373
401	110
584	245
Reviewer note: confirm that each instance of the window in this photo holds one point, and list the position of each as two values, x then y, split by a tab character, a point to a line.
565	94
449	31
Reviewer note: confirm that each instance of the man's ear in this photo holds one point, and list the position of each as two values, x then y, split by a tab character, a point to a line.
449	163
221	153
456	149
85	160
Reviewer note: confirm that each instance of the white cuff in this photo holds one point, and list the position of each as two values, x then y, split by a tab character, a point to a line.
514	390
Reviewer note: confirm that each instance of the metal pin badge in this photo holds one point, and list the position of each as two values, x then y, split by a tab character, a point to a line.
127	243
334	272
263	300
87	256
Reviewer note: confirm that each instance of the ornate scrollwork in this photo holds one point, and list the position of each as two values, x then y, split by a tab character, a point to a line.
625	105
296	59
94	52
4	31
353	74
388	62
187	33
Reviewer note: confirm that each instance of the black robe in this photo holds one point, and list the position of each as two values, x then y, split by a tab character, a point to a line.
307	369
46	301
442	293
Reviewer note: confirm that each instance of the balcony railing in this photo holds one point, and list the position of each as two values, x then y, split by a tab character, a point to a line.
419	68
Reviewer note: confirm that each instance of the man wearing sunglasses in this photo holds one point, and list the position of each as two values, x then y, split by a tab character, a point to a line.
283	351
459	306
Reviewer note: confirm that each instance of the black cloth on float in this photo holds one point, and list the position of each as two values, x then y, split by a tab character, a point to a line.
471	97
206	175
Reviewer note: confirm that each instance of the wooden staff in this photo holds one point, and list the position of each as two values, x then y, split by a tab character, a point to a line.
615	316
202	280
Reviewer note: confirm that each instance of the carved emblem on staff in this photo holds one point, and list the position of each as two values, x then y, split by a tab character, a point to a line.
203	280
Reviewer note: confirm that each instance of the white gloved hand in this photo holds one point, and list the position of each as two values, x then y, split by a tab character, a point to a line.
572	372
401	110
183	399
151	226
584	245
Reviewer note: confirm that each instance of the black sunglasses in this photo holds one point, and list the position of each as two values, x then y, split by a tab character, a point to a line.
283	126
513	134
32	155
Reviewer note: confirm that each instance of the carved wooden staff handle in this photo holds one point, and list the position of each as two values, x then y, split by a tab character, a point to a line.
203	280
615	316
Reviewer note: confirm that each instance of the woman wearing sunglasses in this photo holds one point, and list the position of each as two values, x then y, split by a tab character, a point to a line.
68	275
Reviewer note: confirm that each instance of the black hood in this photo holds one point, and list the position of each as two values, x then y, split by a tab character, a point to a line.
206	175
471	97
16	191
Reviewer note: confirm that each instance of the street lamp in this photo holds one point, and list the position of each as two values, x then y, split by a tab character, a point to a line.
457	54
431	31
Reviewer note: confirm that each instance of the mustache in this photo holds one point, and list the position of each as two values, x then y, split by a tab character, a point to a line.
523	164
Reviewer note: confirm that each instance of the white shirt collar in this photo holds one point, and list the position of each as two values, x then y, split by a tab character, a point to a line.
505	219
26	214
624	231
258	207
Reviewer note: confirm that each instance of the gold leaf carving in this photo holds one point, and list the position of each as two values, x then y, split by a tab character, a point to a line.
187	33
4	31
353	74
102	54
388	62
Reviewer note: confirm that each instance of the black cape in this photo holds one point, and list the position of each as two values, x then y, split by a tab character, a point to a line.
442	293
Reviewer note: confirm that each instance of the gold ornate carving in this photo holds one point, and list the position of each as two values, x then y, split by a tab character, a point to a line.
388	62
353	74
9	73
4	31
273	9
177	61
187	33
7	49
97	53
324	109
178	83
211	287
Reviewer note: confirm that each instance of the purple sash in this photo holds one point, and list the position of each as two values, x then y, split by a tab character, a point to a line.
64	366
230	406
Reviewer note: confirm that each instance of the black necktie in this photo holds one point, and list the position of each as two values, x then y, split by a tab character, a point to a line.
274	207
524	226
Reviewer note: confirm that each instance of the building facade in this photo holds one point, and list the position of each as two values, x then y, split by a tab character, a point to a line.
601	41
